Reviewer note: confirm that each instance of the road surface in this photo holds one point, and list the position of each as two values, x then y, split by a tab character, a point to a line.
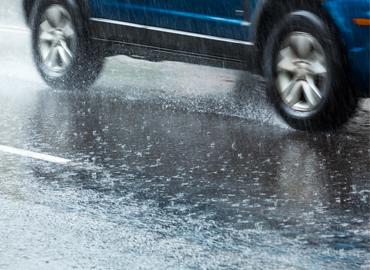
171	166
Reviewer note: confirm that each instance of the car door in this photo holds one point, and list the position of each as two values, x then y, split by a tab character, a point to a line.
219	18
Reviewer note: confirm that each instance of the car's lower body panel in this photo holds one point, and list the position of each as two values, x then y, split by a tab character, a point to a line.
171	42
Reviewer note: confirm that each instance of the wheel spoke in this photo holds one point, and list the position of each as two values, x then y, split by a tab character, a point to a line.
301	45
291	94
47	36
65	47
311	93
64	56
286	63
46	27
52	57
68	29
54	16
313	86
283	80
317	68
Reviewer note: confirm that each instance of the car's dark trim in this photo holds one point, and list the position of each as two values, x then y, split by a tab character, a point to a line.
173	41
178	32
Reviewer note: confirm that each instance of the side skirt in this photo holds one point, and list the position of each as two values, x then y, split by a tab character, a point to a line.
157	44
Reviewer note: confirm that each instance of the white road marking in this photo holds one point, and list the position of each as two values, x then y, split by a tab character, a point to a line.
34	155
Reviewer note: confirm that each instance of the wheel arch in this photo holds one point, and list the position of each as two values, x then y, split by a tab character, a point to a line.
269	12
80	6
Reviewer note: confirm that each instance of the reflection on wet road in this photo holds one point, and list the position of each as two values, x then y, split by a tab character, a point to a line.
173	166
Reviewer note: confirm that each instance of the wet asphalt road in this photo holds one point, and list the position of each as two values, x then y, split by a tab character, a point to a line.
173	166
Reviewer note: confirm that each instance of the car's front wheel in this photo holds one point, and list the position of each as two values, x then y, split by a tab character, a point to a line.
305	69
63	53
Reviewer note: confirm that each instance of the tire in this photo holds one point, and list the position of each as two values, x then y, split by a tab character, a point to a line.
64	55
307	82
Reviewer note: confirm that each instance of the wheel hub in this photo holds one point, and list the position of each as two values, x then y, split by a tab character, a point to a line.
301	72
57	39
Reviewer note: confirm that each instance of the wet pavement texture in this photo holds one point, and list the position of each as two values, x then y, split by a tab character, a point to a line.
173	166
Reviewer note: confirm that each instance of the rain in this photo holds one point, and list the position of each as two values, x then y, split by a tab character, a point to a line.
171	165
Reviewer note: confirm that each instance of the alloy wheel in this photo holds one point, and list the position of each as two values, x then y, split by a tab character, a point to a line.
301	72
57	39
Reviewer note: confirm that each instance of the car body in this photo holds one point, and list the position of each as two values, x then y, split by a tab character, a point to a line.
232	32
355	38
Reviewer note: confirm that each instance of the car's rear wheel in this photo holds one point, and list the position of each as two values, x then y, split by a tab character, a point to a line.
305	69
63	53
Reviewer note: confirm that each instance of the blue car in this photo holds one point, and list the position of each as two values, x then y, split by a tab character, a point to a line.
314	54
